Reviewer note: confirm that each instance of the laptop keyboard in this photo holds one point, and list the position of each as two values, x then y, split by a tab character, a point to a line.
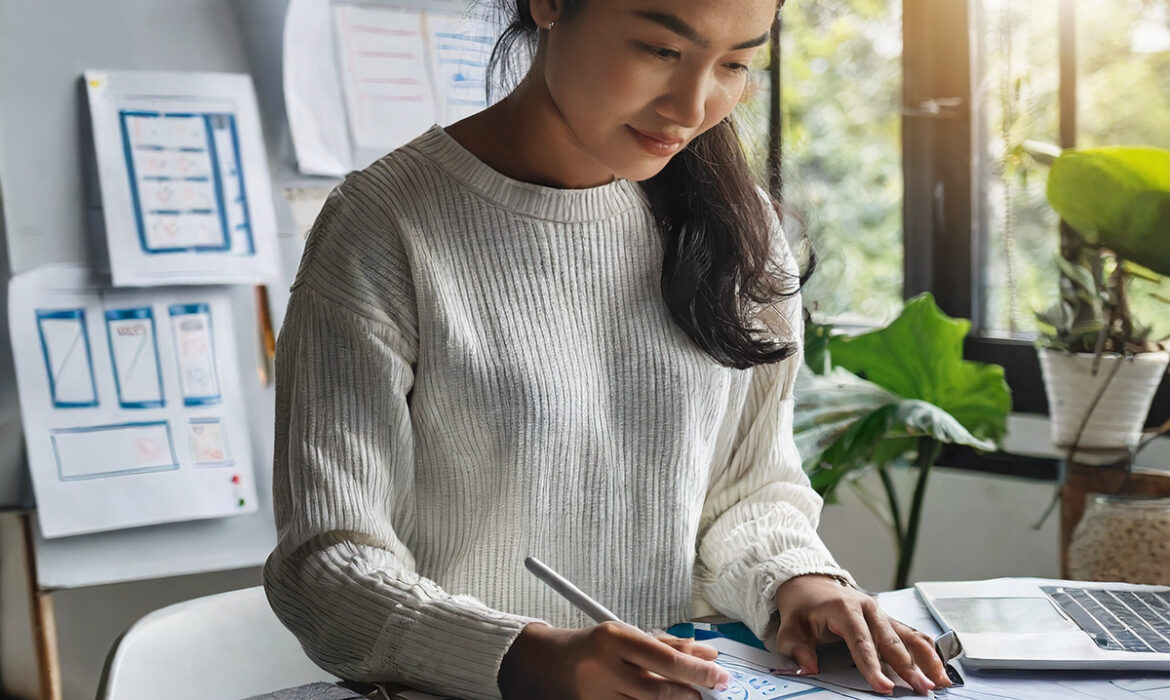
1118	620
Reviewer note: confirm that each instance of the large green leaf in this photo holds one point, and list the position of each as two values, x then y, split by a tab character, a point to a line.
1118	197
844	424
827	406
920	356
922	418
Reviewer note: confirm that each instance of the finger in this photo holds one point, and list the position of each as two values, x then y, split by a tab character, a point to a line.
853	629
921	646
894	653
640	684
654	656
806	657
791	641
688	646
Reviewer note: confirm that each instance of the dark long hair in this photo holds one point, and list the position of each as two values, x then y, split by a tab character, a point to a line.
720	268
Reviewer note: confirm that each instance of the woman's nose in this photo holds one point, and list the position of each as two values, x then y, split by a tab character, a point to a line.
684	103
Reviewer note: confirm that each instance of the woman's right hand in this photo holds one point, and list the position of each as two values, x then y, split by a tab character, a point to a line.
609	660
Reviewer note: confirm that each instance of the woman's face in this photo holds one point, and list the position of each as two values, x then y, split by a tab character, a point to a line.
636	80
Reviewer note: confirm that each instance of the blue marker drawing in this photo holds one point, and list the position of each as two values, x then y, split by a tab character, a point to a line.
179	190
133	345
68	360
207	441
195	351
120	449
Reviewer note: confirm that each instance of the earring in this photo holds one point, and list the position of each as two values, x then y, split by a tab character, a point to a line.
550	25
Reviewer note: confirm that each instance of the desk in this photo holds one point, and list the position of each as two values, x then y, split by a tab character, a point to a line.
905	605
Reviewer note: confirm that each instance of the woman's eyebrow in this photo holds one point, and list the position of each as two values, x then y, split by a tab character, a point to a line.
684	30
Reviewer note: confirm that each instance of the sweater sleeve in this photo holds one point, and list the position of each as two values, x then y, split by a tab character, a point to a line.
341	577
759	521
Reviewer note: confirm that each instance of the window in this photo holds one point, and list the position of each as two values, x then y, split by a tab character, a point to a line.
1122	86
905	128
840	98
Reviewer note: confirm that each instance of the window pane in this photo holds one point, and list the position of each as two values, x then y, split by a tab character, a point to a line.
1123	76
1016	100
842	155
1123	97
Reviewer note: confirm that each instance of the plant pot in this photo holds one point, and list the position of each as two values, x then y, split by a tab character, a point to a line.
1115	426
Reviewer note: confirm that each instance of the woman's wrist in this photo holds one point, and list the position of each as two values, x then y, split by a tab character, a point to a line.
531	651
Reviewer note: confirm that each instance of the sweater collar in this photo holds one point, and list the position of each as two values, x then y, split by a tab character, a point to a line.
565	205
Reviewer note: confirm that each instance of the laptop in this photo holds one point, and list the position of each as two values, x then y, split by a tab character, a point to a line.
1028	623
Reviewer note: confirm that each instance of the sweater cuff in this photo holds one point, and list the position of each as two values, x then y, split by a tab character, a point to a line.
457	650
763	578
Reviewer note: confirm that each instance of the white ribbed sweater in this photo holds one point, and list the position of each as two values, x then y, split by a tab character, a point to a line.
473	369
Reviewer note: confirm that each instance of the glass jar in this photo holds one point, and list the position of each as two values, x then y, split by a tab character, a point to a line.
1122	539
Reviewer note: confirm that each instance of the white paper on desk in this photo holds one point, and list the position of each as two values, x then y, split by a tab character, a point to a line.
183	176
130	400
837	674
312	93
384	74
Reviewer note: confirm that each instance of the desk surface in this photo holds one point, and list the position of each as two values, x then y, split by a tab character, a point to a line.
1011	685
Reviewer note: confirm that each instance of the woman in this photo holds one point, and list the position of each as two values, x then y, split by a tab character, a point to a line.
567	326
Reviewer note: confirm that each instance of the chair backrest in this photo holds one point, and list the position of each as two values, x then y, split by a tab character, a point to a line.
224	646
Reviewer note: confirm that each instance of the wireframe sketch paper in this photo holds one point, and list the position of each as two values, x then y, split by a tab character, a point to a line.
131	402
312	92
362	79
183	177
388	95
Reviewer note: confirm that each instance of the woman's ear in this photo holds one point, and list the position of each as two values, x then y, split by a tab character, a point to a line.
545	11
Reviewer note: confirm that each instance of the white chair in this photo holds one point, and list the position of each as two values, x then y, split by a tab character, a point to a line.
220	647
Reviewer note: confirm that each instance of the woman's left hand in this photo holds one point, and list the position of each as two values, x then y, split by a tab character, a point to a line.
813	608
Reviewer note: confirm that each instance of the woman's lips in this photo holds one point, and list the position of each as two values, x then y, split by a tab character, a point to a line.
656	145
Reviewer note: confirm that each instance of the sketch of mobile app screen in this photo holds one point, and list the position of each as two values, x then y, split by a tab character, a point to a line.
134	352
207	441
195	350
65	346
170	158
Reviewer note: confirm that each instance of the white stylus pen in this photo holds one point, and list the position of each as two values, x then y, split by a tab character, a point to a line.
587	605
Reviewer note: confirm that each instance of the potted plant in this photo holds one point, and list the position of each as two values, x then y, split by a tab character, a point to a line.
1100	365
892	398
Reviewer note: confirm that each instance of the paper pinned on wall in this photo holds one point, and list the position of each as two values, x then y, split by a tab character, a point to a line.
312	93
130	401
383	63
459	49
183	177
361	80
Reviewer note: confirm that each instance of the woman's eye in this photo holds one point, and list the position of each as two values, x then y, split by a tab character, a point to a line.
737	68
659	52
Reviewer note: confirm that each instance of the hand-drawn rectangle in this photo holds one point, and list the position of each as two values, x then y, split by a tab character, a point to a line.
195	350
186	182
68	360
134	353
113	450
207	440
